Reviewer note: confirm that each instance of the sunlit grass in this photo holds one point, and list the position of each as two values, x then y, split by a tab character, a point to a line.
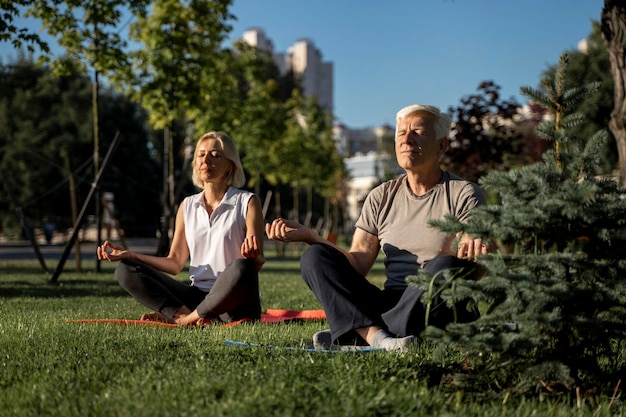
49	367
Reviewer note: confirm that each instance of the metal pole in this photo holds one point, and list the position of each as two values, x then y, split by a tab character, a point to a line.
79	220
26	226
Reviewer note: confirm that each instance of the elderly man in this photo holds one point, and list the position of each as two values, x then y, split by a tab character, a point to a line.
394	219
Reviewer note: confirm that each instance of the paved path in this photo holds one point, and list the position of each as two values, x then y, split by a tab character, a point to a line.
23	250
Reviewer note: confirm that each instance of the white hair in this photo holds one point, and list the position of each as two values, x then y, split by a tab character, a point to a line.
442	124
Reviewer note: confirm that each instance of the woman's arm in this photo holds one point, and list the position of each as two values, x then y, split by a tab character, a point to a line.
173	263
252	246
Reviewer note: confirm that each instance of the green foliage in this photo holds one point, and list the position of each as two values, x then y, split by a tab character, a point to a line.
484	136
311	155
187	83
257	112
88	31
45	135
591	66
180	71
19	37
553	295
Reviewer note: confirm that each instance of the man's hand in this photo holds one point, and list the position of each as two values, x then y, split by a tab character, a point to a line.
287	231
470	247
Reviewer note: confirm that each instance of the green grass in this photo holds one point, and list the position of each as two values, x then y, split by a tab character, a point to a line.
49	367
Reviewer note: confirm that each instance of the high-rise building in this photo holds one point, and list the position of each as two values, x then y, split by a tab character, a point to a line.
366	156
316	76
306	62
255	37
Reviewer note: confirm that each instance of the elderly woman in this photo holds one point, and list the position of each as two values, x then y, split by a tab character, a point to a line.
220	231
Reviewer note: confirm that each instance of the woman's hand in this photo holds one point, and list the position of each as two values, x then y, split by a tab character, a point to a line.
288	231
250	250
109	252
250	247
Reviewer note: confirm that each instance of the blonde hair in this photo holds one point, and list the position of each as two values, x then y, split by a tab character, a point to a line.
235	176
443	121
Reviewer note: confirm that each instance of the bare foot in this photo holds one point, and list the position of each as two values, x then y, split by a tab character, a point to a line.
154	316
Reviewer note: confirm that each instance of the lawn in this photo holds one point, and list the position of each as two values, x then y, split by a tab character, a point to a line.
50	367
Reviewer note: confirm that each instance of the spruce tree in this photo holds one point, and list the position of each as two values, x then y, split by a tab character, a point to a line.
553	288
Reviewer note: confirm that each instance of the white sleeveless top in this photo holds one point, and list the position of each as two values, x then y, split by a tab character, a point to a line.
214	241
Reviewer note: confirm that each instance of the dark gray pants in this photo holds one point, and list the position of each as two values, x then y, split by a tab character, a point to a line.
352	302
234	295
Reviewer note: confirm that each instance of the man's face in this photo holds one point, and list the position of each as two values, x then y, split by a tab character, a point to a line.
416	143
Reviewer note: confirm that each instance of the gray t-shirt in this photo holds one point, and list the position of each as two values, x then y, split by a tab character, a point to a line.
400	221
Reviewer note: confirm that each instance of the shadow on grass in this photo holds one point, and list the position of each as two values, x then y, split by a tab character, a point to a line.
282	265
28	279
43	288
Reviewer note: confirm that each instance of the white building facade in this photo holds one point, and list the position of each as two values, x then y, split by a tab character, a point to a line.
305	60
369	158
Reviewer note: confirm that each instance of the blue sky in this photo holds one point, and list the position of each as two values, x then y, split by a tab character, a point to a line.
388	54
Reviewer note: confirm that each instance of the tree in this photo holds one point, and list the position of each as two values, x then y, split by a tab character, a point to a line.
484	135
41	114
19	37
89	32
613	23
178	74
45	137
257	111
554	294
278	132
586	66
307	157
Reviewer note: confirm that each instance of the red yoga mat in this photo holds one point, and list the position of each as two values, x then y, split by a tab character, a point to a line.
270	316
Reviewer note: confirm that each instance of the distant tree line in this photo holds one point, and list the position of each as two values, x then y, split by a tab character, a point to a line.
178	82
47	149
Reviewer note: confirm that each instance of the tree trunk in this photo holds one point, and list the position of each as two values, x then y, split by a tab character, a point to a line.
96	160
614	35
74	206
166	224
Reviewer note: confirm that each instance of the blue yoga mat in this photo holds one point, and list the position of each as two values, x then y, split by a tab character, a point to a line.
338	349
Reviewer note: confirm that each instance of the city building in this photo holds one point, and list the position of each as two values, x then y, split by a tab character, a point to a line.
369	159
368	152
306	62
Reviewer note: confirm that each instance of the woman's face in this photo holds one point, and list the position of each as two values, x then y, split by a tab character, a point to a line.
210	162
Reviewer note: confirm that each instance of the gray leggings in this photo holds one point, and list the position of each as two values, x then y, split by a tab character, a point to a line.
234	295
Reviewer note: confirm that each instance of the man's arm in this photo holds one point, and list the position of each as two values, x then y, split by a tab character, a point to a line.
362	253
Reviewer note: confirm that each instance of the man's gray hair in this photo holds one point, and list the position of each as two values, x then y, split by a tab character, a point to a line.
442	125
